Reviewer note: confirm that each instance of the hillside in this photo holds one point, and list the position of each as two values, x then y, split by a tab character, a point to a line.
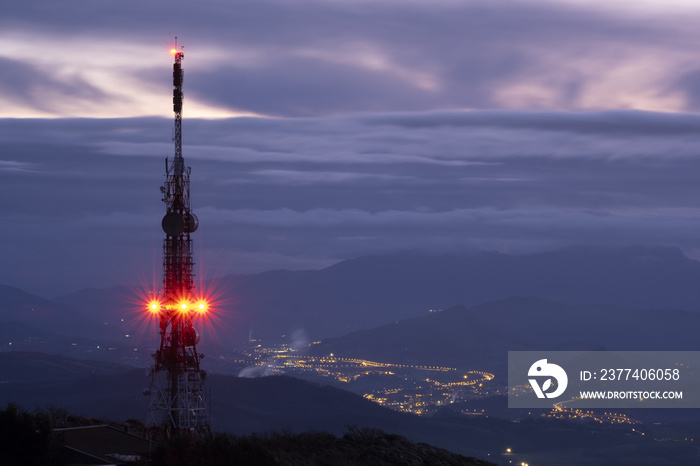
358	447
246	406
31	367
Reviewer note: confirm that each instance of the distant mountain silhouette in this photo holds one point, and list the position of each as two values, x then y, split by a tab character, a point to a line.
374	290
19	306
479	337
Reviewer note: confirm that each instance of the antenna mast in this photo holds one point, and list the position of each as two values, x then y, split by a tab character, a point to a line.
178	398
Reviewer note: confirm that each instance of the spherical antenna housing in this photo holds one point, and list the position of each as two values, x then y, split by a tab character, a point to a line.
173	224
191	223
191	336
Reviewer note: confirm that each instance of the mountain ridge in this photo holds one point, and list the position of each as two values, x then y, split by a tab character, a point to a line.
478	337
373	290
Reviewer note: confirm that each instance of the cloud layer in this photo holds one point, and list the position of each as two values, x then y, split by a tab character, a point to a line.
363	127
306	192
312	58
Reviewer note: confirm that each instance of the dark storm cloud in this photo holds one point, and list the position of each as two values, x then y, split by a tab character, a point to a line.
419	56
326	58
27	85
307	192
307	87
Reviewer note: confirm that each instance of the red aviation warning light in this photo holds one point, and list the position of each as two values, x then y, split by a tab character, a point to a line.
154	307
199	306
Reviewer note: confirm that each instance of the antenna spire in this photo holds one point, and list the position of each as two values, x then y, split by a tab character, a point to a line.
178	399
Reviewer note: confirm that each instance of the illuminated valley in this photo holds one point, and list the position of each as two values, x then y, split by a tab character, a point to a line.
418	389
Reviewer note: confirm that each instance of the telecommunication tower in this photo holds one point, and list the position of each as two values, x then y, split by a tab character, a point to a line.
179	402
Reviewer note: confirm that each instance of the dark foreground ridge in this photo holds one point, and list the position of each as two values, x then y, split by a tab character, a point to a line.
357	447
55	438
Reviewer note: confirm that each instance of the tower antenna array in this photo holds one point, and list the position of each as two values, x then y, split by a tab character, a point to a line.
179	402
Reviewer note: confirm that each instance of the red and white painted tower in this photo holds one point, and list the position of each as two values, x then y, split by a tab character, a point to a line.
178	398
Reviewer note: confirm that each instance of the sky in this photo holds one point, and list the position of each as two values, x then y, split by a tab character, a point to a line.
319	131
